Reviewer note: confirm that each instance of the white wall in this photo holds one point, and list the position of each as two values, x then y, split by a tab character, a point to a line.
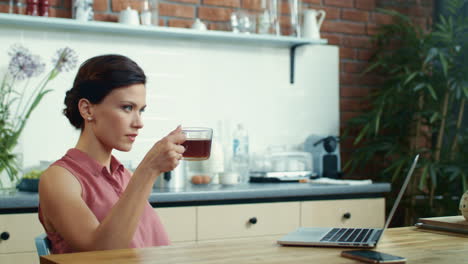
192	83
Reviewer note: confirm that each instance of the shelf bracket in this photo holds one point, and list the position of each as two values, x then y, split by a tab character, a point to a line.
292	56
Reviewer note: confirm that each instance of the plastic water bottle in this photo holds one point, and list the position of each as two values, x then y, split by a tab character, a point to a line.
240	153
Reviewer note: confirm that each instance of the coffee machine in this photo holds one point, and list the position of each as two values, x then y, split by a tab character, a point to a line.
325	152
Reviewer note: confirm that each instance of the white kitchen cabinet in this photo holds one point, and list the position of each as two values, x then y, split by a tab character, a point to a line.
344	213
246	220
21	229
25	257
216	222
179	222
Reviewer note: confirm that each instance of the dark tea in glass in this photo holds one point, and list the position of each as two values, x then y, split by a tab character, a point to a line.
198	143
197	149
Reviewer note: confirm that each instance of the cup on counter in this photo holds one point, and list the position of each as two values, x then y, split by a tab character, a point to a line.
229	178
198	143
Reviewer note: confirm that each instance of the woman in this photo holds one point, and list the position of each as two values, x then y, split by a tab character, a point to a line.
88	200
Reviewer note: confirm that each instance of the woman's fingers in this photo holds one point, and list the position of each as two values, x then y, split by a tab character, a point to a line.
178	129
176	135
167	153
179	149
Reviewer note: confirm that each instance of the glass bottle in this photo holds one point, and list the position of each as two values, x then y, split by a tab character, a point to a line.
11	5
240	153
145	15
274	11
20	7
44	8
32	8
154	10
295	11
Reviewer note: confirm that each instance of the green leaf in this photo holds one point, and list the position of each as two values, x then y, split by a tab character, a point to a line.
465	91
371	67
422	180
377	119
419	86
430	55
410	78
435	116
444	63
397	170
431	90
362	133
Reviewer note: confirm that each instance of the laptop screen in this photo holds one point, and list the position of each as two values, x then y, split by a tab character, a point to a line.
400	194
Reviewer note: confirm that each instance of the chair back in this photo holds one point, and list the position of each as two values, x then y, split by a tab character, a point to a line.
42	245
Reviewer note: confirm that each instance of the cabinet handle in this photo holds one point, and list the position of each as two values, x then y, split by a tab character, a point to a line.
347	215
4	236
253	220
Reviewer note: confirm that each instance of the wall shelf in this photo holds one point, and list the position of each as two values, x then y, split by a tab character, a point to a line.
71	25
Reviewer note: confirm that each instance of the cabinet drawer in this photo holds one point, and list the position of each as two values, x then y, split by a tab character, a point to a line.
344	213
245	220
179	222
30	258
23	228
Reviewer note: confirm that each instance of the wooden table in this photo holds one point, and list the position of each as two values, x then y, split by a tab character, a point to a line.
418	246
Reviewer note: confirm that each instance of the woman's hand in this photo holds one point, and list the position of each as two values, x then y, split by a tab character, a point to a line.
166	153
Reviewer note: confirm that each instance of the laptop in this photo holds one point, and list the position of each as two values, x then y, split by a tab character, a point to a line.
344	237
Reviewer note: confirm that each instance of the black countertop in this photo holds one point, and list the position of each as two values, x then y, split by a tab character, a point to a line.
193	195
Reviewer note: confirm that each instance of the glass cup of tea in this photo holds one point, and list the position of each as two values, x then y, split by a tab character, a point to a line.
198	143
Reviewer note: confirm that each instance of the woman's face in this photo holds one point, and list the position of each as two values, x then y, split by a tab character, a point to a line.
117	118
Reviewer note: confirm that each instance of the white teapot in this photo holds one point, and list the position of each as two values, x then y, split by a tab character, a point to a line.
129	16
313	20
199	25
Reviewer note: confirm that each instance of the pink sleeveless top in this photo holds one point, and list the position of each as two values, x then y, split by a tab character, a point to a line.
100	191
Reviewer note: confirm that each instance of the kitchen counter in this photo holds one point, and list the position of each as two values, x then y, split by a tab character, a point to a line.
22	202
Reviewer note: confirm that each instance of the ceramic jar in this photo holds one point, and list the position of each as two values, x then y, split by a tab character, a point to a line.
464	205
82	10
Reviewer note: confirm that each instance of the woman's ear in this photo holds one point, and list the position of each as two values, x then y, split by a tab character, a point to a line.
86	109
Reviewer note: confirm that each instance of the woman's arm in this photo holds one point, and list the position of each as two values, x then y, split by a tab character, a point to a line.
63	207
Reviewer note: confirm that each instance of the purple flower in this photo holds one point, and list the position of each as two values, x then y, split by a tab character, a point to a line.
65	59
23	65
17	50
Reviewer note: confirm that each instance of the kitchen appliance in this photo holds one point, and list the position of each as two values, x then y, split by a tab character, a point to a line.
313	20
326	155
282	167
174	179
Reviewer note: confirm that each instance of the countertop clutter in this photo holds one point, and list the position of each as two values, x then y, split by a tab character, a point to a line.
219	194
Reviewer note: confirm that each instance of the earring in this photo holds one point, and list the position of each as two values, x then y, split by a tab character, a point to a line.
89	118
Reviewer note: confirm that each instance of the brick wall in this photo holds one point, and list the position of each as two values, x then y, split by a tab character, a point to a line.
349	24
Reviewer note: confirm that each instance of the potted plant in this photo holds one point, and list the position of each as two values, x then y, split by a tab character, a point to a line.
418	108
17	102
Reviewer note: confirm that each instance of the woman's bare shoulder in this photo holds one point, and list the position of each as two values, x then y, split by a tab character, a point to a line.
57	177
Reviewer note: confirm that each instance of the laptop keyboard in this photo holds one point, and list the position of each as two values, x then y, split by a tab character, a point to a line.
356	235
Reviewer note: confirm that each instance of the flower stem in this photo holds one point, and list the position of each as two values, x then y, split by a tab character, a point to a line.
29	106
21	96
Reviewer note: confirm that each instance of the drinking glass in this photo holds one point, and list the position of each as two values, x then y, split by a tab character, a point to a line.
295	11
198	143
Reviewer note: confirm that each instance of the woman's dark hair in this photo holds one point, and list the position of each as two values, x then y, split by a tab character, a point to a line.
96	78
